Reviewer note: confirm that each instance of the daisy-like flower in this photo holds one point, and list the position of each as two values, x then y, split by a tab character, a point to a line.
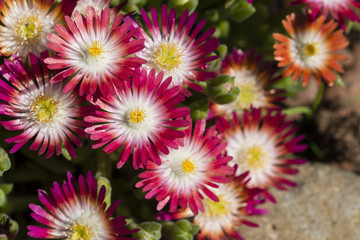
338	9
264	146
311	50
142	118
77	213
178	49
26	23
186	173
94	54
221	220
39	109
254	80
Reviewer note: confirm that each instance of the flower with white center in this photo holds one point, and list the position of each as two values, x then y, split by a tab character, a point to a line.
311	50
264	146
38	108
26	23
254	80
221	220
141	118
94	55
186	173
338	9
177	48
77	213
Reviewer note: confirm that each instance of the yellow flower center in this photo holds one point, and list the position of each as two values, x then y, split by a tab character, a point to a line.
249	93
44	109
168	56
136	116
29	27
188	166
80	232
309	49
95	49
216	209
255	157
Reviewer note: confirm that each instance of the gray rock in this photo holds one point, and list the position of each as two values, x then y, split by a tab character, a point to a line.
324	206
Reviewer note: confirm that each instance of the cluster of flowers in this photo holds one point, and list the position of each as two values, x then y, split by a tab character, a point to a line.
73	72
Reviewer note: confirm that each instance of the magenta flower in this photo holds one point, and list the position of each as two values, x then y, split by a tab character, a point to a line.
142	118
264	146
186	173
94	54
338	9
38	108
177	48
77	213
222	219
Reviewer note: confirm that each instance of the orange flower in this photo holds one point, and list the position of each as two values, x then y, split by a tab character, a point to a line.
311	49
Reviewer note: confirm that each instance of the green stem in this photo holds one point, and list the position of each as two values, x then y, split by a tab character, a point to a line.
103	165
318	99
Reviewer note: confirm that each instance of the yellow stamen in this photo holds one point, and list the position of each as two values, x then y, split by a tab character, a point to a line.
136	116
309	49
216	209
28	27
95	49
249	93
188	166
80	232
255	157
168	56
44	109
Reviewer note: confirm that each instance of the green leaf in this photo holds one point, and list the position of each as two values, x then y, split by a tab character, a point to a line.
239	10
148	231
103	181
65	152
6	187
2	198
182	5
5	163
339	81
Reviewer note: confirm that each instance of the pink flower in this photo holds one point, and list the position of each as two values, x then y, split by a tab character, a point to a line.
177	48
141	118
38	108
187	173
94	54
263	145
77	213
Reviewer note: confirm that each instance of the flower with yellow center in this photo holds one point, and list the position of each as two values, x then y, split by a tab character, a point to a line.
186	173
44	109
80	215
25	25
141	118
262	144
39	109
253	78
311	50
178	49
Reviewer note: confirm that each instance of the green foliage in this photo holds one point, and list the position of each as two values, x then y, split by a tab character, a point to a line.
182	5
5	163
221	89
239	10
8	227
148	231
180	230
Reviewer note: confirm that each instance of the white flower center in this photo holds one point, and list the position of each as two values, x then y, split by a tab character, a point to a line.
94	54
217	209
80	232
44	109
254	157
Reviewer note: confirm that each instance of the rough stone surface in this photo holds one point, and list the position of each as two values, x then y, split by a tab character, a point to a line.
324	206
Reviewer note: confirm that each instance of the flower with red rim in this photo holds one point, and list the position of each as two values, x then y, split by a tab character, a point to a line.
25	25
177	48
311	49
38	108
186	173
142	118
338	9
222	219
73	212
253	78
263	145
94	54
